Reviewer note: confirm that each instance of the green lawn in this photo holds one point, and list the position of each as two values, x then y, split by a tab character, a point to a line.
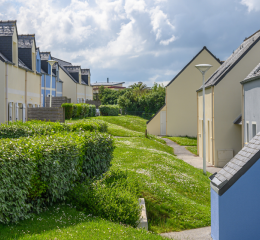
184	141
127	121
177	195
192	149
65	222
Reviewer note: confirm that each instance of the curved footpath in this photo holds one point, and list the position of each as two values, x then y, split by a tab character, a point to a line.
182	153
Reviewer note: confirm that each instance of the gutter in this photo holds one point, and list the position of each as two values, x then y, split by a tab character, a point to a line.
6	91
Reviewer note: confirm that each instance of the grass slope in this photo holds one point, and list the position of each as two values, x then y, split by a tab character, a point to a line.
184	141
64	222
192	149
134	123
177	195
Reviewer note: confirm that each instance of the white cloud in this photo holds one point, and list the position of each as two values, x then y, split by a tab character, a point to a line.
154	78
161	25
168	41
251	4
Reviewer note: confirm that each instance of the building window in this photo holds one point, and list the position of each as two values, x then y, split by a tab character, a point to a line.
247	132
253	129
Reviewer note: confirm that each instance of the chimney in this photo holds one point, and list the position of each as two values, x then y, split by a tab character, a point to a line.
107	80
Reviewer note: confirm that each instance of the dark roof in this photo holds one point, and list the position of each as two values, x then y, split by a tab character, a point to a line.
7	28
238	120
107	84
66	71
45	55
4	59
255	74
234	59
23	66
85	71
61	62
237	166
43	72
71	68
26	41
204	48
156	113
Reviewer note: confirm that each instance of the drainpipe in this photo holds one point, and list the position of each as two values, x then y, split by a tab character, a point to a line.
26	96
6	91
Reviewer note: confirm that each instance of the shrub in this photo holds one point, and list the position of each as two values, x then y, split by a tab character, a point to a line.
115	197
31	128
109	110
40	170
68	110
79	110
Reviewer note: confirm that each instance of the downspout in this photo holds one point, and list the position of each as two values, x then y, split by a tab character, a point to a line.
213	129
243	115
6	91
40	91
166	109
198	137
44	90
26	106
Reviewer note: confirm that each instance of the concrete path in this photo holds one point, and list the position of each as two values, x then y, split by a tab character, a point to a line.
182	153
194	234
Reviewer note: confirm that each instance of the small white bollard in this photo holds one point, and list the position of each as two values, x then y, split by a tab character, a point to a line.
143	218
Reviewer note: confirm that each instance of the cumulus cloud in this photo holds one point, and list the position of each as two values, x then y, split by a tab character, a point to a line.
251	4
133	40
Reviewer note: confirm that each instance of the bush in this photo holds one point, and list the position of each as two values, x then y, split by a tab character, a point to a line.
68	110
31	128
40	170
109	110
80	110
115	197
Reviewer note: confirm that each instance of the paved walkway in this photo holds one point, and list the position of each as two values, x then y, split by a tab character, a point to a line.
194	234
182	153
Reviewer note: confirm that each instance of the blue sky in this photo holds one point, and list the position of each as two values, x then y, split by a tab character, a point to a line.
134	40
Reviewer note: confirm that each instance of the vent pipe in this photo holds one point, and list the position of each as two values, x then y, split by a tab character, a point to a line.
107	80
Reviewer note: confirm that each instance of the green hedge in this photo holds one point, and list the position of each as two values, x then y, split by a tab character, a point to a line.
31	128
109	110
40	170
80	110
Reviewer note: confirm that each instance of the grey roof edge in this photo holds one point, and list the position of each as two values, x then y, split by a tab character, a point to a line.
67	72
156	114
5	60
228	184
250	80
204	48
11	21
233	65
238	119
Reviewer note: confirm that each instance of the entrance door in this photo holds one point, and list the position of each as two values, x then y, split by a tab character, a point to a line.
163	123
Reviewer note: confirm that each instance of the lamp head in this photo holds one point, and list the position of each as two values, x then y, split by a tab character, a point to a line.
203	67
51	62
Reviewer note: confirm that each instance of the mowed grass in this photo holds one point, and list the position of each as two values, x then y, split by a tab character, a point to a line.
184	141
130	122
192	149
177	195
62	222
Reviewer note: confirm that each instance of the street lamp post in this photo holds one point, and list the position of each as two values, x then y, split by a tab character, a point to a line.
203	68
51	62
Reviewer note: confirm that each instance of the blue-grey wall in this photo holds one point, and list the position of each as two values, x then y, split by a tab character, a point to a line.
236	214
252	106
6	46
25	54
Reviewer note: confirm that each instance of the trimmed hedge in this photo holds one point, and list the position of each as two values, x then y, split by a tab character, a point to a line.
109	110
40	170
31	128
80	110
